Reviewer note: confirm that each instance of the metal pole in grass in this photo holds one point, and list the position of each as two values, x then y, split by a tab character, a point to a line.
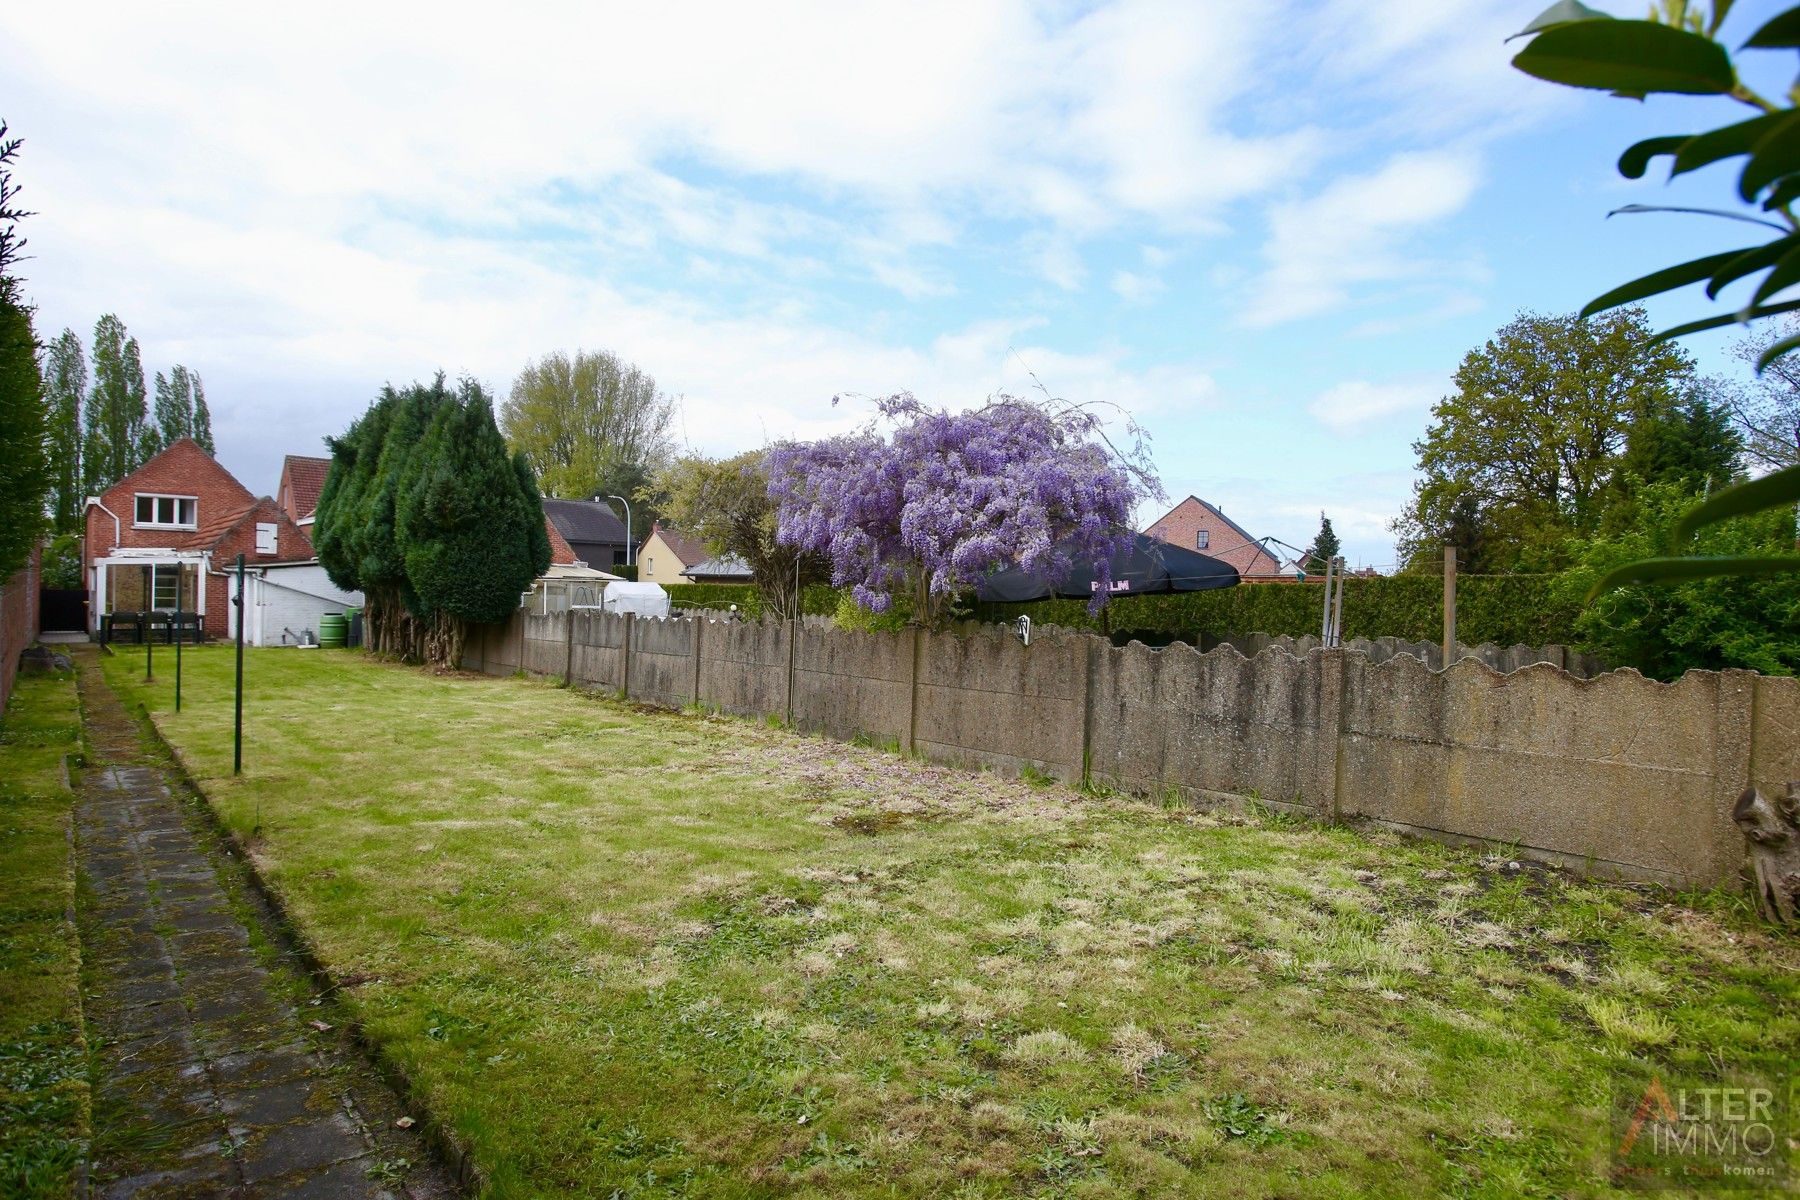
237	721
149	642
179	573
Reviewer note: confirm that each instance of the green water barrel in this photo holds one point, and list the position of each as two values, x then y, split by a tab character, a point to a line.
331	629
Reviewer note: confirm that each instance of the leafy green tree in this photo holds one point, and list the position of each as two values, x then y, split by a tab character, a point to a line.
725	503
65	390
1703	623
1678	51
174	406
118	430
590	425
24	472
1691	443
1766	409
1324	547
202	433
426	514
1529	447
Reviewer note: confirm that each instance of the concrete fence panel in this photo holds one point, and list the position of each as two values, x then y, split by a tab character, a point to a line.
662	660
743	667
850	682
1616	773
987	700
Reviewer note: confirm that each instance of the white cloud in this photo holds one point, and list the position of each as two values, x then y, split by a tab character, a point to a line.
1356	231
305	202
1355	403
1136	288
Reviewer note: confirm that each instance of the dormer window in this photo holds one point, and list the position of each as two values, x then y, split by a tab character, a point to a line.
165	512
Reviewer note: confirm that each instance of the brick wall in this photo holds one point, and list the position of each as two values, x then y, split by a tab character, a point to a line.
18	621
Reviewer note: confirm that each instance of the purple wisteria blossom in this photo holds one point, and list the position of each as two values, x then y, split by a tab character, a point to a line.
953	497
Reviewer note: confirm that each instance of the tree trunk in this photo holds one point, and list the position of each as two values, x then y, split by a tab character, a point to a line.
441	641
1773	830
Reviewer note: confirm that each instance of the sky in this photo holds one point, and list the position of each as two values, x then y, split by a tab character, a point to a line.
1269	231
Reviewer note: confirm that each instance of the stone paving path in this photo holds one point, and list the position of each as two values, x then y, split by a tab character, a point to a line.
210	1080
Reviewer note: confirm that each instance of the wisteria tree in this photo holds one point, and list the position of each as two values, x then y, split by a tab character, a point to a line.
951	497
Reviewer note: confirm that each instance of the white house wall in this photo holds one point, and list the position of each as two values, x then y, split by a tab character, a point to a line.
293	599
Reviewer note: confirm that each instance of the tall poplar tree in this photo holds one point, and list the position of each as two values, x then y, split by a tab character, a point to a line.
65	391
202	416
174	406
117	433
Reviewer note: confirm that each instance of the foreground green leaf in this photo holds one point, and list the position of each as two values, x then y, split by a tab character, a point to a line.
1561	13
1782	32
1632	58
1671	570
1771	491
1664	280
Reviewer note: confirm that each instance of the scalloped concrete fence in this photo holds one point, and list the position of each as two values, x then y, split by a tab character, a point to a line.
1616	774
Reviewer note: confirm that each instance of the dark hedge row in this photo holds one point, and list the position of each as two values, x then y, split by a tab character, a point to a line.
818	600
1504	609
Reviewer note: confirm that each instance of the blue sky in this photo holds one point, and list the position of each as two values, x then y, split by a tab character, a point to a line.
1269	230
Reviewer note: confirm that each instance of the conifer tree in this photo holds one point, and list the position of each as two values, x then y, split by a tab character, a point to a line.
1324	548
426	513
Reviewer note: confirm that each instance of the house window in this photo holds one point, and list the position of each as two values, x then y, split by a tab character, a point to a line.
165	512
1201	539
165	587
265	538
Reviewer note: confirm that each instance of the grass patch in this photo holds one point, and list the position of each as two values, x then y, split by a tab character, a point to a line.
651	954
44	1100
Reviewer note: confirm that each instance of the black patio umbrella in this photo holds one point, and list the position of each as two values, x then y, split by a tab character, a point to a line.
1149	566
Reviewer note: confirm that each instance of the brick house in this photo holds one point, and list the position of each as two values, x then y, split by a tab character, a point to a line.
1196	525
302	479
168	533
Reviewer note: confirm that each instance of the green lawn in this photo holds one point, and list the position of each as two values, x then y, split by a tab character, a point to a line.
43	1063
637	953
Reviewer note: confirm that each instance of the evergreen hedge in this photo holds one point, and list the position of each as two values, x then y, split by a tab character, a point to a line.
819	599
1503	609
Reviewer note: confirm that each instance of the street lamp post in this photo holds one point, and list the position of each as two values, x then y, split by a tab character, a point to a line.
630	556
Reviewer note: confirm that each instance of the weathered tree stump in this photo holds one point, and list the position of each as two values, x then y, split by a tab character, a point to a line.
1772	828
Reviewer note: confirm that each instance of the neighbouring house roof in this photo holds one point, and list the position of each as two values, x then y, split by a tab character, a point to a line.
726	566
560	551
571	571
585	521
302	479
684	546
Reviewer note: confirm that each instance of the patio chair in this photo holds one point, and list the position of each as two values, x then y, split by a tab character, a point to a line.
122	627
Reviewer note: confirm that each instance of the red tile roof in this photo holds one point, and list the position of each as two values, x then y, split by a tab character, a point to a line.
560	551
302	479
688	548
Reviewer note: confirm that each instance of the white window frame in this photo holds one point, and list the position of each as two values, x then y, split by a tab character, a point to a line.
1202	539
267	537
155	499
